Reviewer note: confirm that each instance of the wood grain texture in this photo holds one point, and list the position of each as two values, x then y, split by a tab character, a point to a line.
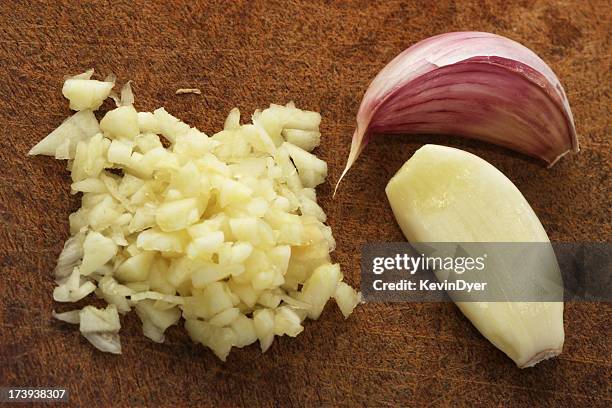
321	54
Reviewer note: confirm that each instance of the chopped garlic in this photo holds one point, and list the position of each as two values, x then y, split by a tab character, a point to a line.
85	93
221	231
101	327
62	142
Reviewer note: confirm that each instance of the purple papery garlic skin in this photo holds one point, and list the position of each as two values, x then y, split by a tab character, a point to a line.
472	84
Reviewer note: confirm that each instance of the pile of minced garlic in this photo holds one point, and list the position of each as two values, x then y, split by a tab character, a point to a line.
223	231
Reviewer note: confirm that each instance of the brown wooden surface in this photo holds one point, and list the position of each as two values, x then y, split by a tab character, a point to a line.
322	55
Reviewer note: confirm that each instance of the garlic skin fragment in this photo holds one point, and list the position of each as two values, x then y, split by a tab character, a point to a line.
442	194
472	84
182	91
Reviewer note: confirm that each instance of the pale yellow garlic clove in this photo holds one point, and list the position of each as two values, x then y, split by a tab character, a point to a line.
443	194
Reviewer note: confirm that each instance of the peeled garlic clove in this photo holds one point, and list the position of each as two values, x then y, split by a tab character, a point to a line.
471	84
443	194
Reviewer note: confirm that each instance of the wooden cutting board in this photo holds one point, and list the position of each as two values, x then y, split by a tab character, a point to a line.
322	55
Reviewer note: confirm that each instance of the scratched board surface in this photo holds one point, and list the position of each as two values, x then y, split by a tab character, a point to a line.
322	55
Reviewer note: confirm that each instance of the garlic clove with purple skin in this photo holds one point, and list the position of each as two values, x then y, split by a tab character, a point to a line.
471	84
